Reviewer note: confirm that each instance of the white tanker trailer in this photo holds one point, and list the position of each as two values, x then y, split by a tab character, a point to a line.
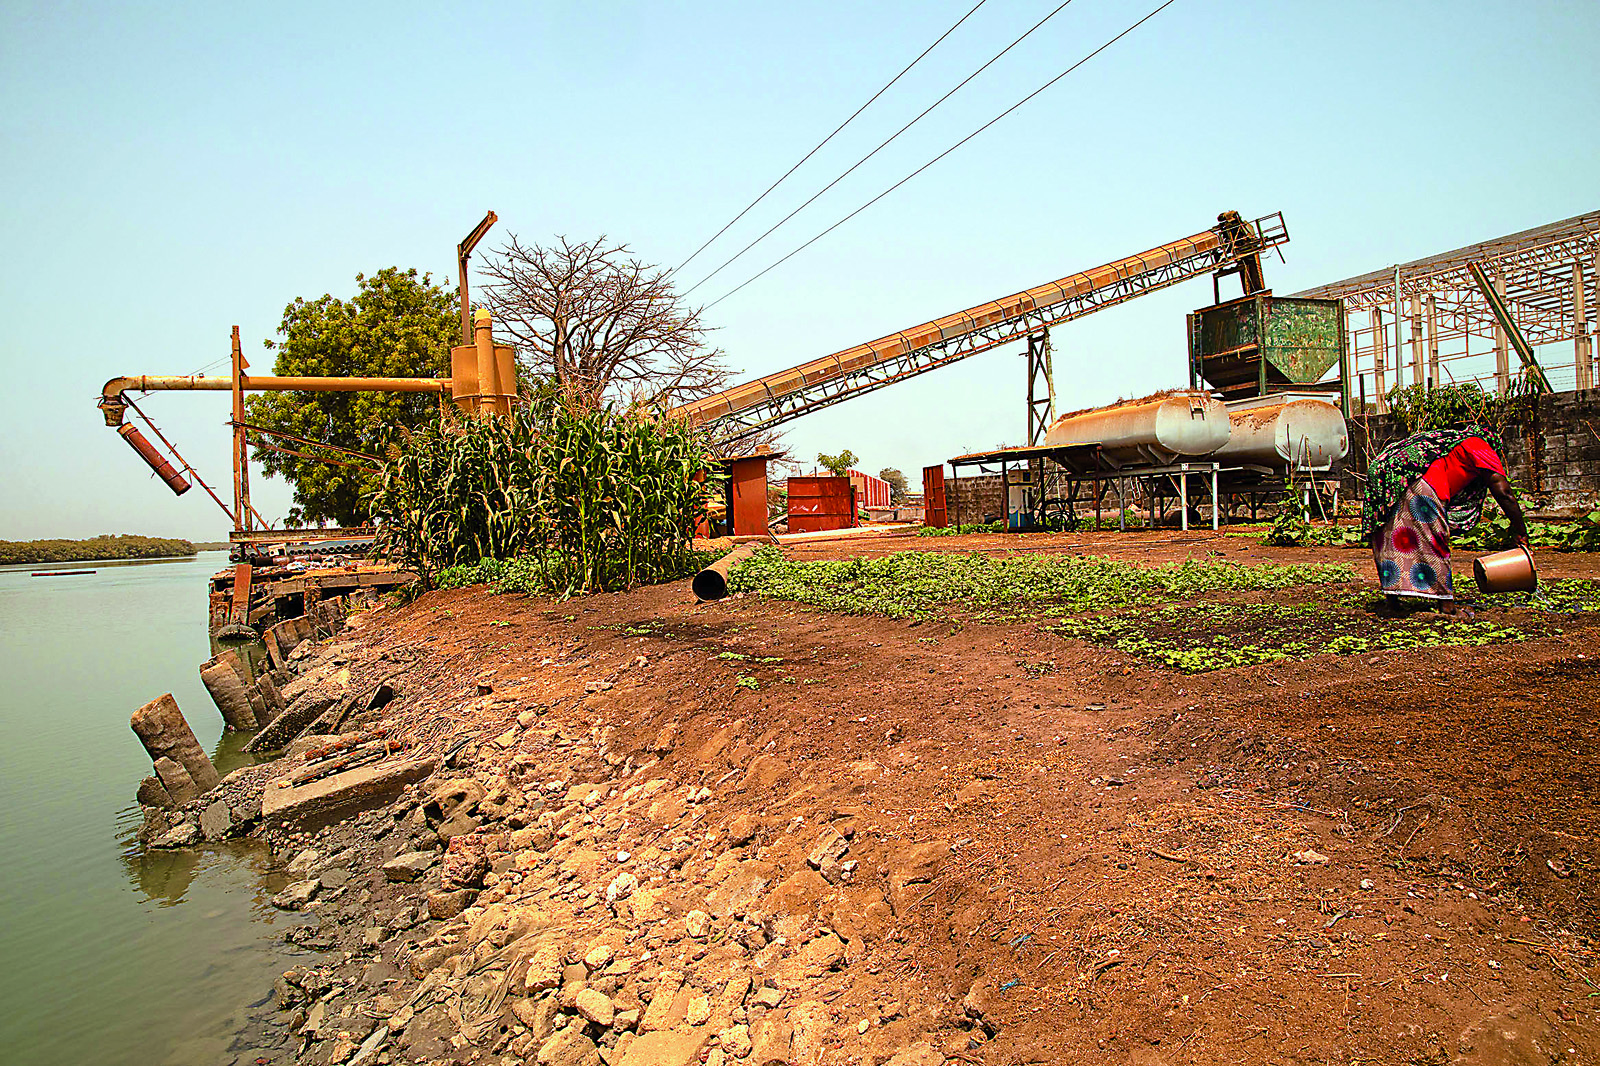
1156	431
1305	432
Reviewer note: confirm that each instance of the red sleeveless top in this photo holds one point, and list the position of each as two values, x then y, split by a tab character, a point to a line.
1470	459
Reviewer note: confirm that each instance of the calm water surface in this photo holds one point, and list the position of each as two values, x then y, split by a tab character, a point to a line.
108	956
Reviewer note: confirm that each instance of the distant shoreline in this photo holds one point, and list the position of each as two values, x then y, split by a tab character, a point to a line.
93	549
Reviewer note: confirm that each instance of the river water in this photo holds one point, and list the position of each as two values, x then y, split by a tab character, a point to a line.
111	956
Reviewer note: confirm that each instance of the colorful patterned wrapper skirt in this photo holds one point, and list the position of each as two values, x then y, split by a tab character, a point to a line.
1413	547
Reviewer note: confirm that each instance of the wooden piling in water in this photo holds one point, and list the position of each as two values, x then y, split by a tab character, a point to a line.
180	762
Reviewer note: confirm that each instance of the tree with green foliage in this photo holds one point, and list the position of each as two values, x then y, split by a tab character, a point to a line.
897	483
838	465
399	324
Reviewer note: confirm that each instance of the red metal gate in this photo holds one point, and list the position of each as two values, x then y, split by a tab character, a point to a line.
933	512
818	503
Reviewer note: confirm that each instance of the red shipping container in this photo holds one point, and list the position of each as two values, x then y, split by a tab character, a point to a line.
819	503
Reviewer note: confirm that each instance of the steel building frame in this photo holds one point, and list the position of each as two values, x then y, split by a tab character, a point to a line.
1547	275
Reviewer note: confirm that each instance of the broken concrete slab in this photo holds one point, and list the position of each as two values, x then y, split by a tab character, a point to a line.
346	793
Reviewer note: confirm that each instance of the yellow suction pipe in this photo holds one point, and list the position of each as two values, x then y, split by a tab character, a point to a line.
488	378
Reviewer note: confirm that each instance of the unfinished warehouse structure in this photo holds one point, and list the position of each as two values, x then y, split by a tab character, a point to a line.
1435	320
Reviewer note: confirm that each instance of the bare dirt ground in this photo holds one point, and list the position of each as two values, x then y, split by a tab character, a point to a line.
1063	853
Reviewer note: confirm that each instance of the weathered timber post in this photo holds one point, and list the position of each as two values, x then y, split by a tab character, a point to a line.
180	762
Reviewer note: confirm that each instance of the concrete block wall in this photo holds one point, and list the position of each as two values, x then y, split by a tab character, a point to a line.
1554	459
970	500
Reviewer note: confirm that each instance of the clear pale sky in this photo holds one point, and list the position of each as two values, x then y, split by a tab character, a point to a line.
171	170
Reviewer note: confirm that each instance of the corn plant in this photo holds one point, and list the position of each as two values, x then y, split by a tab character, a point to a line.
587	497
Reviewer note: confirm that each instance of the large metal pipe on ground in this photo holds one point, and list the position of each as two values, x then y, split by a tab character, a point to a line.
712	582
1302	432
1160	429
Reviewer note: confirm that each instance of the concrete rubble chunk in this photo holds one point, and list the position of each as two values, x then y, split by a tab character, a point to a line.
568	1047
215	821
355	790
660	1008
296	896
408	867
596	1006
827	854
678	1047
175	781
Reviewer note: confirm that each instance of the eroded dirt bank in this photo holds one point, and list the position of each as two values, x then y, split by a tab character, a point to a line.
752	832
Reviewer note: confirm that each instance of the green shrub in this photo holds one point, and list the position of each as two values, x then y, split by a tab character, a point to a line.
561	496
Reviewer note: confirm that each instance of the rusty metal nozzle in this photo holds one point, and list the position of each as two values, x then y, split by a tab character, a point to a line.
164	470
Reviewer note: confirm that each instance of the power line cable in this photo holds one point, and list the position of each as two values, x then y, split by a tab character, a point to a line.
829	137
944	153
992	60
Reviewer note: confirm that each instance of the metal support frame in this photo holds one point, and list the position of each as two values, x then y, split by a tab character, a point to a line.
1041	401
463	253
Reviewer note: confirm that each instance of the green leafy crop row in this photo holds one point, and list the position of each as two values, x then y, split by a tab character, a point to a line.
911	584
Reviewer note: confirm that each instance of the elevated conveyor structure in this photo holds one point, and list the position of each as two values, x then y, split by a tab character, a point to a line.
1231	246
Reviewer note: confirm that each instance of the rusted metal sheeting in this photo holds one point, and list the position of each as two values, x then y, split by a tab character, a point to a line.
747	492
870	491
164	470
934	515
820	503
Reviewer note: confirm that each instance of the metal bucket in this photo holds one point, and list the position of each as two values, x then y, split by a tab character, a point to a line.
1507	571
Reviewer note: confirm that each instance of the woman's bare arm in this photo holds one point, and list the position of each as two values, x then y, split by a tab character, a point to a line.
1500	489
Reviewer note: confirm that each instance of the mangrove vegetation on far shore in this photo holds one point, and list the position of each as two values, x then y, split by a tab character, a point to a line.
105	546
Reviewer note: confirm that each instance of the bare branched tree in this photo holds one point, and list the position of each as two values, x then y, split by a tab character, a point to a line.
595	318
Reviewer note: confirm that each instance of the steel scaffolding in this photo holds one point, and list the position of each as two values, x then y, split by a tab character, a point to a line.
1547	276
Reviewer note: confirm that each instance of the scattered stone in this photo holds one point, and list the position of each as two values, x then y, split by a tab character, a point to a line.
302	863
741	829
408	867
568	1047
215	821
595	1006
699	1011
828	854
296	896
1367	885
599	957
674	1048
735	1040
697	924
183	836
621	887
660	1009
1310	858
444	905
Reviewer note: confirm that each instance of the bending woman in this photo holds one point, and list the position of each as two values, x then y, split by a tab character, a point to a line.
1420	492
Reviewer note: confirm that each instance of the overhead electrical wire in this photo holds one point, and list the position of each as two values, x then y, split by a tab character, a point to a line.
959	85
1153	13
829	137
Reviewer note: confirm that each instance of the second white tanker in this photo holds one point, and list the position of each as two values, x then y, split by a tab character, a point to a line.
1155	431
1275	431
